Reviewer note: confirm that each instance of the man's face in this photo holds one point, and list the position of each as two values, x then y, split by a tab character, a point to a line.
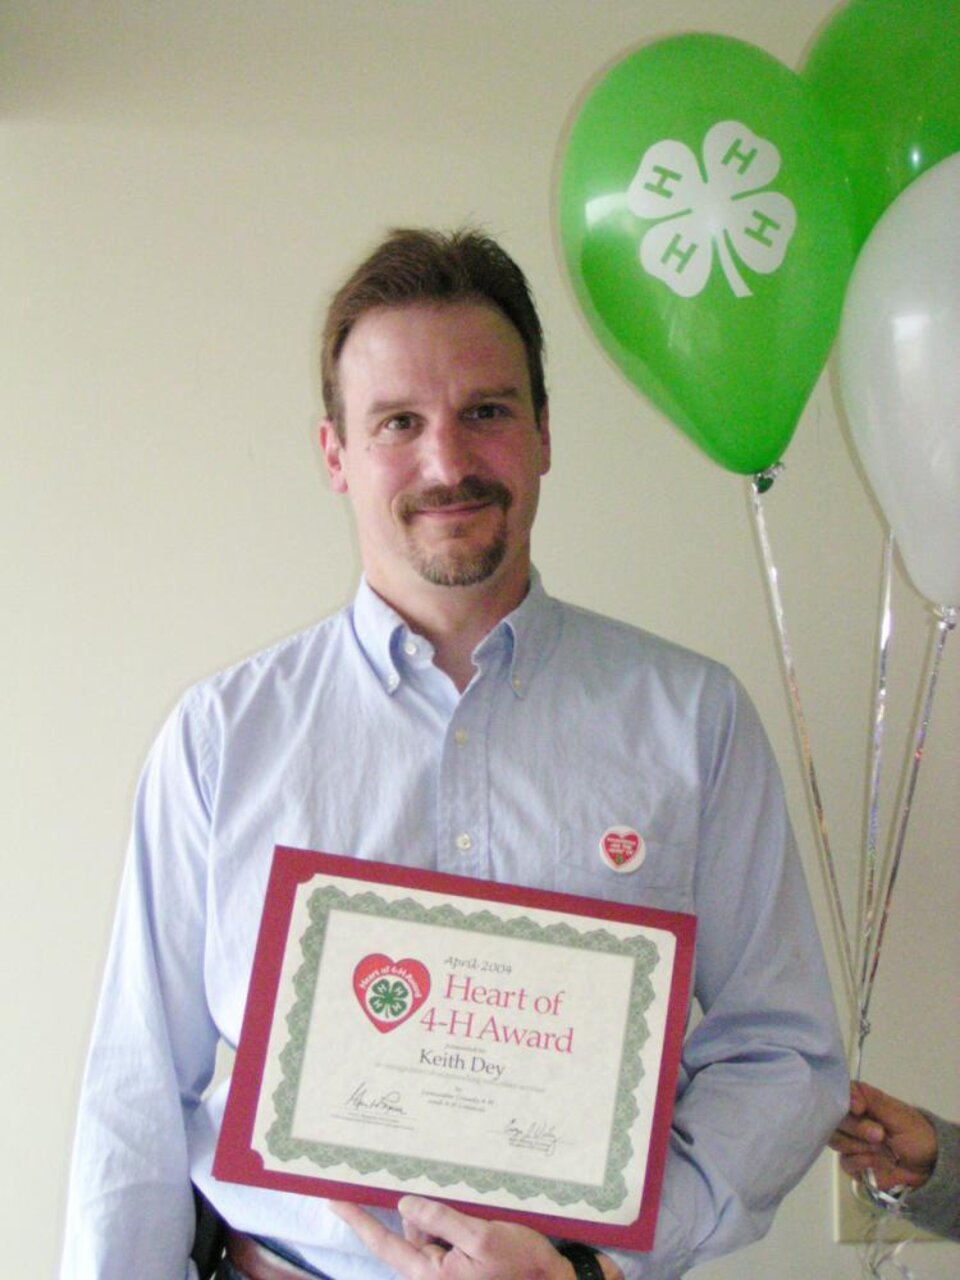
443	453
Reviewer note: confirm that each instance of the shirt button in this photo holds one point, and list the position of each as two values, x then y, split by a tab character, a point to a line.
409	648
517	683
460	737
464	843
393	681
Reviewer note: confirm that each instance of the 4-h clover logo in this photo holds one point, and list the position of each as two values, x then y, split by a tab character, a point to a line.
390	991
725	211
389	999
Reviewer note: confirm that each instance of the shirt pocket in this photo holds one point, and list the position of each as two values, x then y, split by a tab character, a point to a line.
664	879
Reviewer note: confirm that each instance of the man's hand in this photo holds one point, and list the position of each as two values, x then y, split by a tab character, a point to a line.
886	1135
441	1243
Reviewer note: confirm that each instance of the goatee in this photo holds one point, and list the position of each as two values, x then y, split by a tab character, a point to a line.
458	566
461	568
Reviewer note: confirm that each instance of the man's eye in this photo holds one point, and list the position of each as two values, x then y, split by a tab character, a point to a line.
399	423
487	412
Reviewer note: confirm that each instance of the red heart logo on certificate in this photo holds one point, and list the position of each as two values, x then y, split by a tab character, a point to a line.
390	991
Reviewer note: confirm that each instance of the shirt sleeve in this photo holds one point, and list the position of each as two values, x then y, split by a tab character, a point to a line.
763	1080
130	1209
936	1205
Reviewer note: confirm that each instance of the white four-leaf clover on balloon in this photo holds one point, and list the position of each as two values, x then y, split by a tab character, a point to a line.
726	209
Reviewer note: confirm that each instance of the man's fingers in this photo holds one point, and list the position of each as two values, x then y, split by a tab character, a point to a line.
885	1169
856	1163
858	1099
849	1143
422	1239
394	1250
845	1145
441	1243
415	1235
861	1130
441	1222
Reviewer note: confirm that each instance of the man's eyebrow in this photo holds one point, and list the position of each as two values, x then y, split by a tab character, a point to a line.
394	405
403	404
496	393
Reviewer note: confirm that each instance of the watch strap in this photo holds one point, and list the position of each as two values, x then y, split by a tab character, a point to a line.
584	1260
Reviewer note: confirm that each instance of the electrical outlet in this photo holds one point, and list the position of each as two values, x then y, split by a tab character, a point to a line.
853	1215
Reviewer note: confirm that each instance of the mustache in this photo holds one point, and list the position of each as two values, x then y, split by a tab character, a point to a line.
469	489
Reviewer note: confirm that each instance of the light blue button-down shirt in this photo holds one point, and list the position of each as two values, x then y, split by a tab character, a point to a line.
348	739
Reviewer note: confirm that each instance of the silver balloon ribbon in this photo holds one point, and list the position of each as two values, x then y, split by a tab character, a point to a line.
880	1255
760	484
869	888
881	1258
946	621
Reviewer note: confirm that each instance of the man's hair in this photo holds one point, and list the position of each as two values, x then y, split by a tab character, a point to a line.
420	266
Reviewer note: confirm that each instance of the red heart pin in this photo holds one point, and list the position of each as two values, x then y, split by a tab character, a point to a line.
390	991
622	848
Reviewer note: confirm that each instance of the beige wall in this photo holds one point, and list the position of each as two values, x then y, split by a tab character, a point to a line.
180	185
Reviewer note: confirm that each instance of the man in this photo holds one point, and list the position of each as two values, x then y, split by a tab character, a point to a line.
912	1157
457	718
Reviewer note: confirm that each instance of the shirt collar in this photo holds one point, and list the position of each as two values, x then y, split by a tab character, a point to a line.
530	633
378	628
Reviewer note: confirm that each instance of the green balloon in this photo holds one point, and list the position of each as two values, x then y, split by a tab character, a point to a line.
887	74
707	228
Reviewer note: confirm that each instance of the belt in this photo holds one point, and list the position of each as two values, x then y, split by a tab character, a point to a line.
256	1262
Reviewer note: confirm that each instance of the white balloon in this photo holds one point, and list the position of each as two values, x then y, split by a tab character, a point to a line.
899	359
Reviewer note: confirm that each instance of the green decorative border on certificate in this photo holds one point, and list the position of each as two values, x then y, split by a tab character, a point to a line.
606	1197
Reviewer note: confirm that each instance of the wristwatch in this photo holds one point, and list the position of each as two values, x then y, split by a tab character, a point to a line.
584	1260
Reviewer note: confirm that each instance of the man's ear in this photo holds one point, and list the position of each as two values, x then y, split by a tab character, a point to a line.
332	447
543	425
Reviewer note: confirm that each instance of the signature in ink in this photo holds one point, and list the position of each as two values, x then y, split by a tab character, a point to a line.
534	1136
362	1100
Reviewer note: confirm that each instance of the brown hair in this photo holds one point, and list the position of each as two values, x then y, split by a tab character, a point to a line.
413	266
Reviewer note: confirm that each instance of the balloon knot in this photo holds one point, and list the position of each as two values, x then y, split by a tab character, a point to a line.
763	480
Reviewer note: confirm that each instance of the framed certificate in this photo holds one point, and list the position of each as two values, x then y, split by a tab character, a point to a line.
508	1050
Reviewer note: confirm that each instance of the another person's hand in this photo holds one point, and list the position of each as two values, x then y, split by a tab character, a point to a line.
441	1243
886	1135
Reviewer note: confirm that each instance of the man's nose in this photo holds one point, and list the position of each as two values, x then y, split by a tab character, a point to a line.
447	451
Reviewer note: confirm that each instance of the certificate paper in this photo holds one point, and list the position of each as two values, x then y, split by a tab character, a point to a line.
509	1050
